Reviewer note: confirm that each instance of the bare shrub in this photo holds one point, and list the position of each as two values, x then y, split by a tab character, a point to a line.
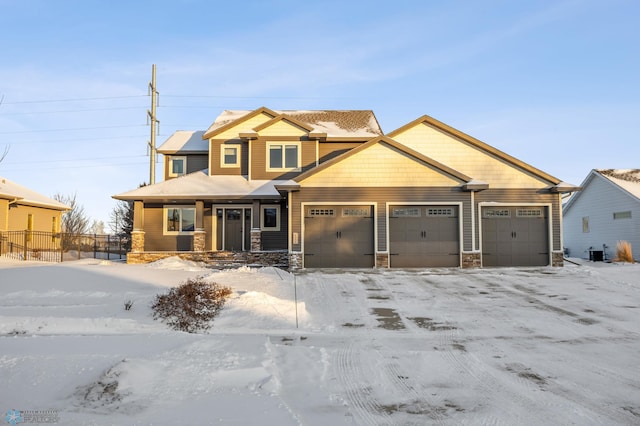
191	306
624	252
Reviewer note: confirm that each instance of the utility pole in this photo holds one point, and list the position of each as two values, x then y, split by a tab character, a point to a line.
153	120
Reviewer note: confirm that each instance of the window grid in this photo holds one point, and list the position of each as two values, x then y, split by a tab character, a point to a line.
322	212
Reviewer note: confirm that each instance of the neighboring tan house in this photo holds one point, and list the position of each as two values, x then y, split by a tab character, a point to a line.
328	189
606	211
22	209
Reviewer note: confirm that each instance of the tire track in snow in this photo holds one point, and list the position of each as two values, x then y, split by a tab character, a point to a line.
367	410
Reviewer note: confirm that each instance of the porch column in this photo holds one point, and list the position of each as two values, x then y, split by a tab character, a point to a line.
137	234
199	235
256	233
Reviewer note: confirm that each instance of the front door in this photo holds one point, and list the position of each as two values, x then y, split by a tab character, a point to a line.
233	229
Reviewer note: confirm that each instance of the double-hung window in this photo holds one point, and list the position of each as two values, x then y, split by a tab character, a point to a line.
283	156
177	166
179	220
229	156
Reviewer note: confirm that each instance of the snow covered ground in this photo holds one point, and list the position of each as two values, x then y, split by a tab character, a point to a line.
494	346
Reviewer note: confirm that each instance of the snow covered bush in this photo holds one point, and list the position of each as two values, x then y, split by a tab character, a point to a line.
191	306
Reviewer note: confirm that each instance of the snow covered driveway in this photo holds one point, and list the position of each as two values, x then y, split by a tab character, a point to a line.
495	346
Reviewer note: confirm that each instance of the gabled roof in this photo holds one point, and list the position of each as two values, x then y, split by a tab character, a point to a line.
387	140
627	180
230	118
185	141
478	144
22	195
286	118
199	185
357	124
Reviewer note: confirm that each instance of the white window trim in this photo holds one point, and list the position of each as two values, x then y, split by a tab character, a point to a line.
282	169
278	216
164	219
229	166
184	166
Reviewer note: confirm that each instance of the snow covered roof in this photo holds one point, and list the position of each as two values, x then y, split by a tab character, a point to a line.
627	179
183	141
335	123
199	185
12	191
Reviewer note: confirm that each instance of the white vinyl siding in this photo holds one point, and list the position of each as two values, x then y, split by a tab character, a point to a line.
604	206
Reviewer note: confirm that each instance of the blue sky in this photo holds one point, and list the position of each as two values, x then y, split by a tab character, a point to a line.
553	83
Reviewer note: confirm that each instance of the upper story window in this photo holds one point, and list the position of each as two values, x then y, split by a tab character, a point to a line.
177	166
283	156
229	156
179	220
622	215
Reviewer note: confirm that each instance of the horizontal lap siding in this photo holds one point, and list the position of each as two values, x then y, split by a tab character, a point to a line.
154	240
259	159
277	240
215	162
381	196
329	150
524	197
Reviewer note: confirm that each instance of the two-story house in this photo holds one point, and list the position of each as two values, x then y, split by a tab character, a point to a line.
329	189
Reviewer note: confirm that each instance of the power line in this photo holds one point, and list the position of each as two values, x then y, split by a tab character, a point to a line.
73	99
68	110
75	159
68	130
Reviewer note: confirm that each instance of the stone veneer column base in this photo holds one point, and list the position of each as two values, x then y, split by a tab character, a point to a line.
137	241
557	259
382	260
295	261
199	238
256	239
471	260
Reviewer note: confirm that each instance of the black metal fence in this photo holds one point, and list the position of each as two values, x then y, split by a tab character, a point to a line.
60	246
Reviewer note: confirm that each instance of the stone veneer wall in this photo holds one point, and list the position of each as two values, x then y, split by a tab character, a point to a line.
557	259
471	260
382	260
216	259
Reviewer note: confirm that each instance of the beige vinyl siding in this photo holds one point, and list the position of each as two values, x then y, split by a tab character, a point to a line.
526	197
4	215
466	158
245	126
329	150
215	158
154	240
18	218
381	196
379	166
282	128
259	158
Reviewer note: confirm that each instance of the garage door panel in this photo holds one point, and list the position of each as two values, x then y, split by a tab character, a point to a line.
424	236
515	236
339	237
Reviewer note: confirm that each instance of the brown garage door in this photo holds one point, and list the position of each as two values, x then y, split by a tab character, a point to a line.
515	236
338	237
424	236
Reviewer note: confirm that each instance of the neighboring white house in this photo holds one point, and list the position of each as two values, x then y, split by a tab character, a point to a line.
606	211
